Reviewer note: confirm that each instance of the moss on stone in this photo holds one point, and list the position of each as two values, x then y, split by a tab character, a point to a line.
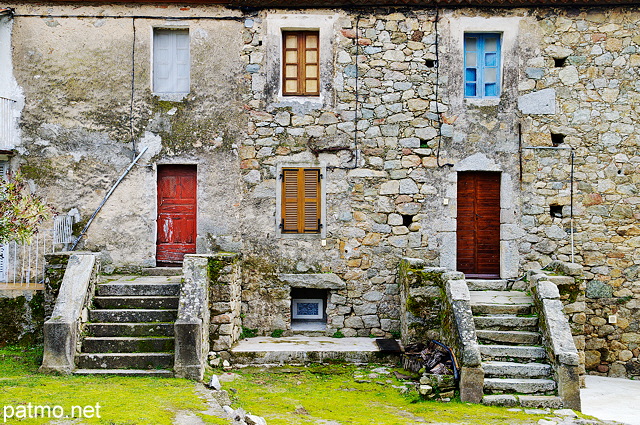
214	266
39	169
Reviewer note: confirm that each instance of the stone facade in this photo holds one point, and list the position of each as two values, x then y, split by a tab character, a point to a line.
391	131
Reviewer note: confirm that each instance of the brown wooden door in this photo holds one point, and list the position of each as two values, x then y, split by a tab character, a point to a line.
478	235
177	186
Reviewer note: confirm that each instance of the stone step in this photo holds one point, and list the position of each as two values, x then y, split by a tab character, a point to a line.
303	349
162	271
495	309
498	369
487	284
124	360
519	385
147	302
143	288
508	337
541	401
506	322
156	373
118	344
531	401
516	353
512	353
132	315
500	297
129	329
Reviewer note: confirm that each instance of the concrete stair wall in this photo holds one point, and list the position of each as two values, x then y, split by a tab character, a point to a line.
517	371
131	327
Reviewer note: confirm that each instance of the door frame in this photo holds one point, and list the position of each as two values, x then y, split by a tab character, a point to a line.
491	219
155	211
510	257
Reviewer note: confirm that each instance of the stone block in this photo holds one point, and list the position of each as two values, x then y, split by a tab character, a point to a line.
547	290
471	384
597	289
354	322
313	280
371	321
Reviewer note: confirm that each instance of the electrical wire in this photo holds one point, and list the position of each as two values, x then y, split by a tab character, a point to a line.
162	17
355	115
133	78
436	88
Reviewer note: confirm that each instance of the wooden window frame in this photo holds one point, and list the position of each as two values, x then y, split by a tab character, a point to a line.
176	66
482	65
301	213
301	54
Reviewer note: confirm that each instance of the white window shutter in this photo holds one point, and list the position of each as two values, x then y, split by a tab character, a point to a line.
171	64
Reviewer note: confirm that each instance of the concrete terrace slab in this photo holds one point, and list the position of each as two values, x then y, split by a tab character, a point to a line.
303	349
614	399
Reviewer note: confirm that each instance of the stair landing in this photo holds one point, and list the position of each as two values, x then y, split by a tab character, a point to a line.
305	349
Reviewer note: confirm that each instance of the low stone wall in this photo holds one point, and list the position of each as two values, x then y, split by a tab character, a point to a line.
571	288
53	274
559	344
225	289
62	330
435	304
21	316
421	301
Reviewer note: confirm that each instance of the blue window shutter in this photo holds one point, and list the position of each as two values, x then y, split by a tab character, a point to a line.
482	65
171	63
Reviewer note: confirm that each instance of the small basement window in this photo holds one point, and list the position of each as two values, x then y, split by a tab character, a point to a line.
430	63
308	309
559	62
557	139
555	211
407	220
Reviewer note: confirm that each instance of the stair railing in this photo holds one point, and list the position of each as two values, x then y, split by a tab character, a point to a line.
558	339
62	330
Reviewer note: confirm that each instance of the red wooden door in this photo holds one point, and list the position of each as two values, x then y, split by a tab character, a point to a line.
478	233
176	213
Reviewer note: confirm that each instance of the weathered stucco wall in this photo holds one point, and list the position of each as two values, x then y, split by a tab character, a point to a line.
392	129
83	110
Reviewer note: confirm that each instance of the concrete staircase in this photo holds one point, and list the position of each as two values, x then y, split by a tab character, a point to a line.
130	327
515	364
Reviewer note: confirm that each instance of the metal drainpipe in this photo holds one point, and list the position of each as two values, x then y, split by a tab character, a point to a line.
571	182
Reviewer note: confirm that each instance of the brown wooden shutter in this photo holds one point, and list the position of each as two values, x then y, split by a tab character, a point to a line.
301	63
290	218
311	200
300	200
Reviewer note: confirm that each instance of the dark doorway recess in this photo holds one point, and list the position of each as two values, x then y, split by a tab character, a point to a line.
478	229
177	206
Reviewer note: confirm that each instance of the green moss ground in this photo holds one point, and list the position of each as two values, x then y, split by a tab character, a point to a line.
321	394
123	401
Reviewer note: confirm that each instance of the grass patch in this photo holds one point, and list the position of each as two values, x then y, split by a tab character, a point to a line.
306	395
122	400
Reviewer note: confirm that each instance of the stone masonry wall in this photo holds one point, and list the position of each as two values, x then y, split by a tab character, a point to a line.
391	129
225	292
566	72
596	89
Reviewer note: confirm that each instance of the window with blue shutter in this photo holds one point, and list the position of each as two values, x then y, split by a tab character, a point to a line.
171	63
482	65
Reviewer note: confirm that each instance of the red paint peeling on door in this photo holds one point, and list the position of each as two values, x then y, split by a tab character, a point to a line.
177	206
